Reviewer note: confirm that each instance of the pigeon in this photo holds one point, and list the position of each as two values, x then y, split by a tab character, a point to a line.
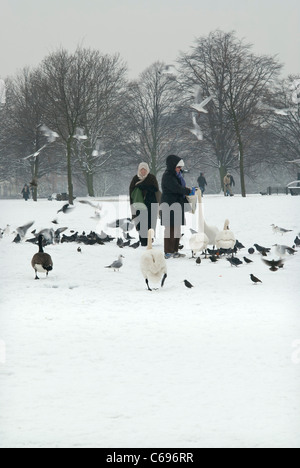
66	209
262	250
297	241
284	249
234	261
117	264
247	260
239	246
213	258
79	250
254	279
188	284
135	246
22	230
198	261
251	251
274	264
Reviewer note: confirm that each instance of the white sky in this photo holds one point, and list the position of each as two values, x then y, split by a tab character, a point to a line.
143	31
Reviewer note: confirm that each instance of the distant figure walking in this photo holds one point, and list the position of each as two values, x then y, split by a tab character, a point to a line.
26	192
228	184
202	182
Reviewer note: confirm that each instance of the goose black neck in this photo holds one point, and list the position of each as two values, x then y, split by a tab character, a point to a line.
41	244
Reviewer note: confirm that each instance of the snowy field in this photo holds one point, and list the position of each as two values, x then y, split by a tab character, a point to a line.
90	358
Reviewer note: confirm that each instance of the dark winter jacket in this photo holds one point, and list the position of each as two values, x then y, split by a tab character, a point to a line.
151	195
173	192
26	192
202	181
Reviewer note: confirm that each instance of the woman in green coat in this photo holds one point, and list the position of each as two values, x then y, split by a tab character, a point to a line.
144	189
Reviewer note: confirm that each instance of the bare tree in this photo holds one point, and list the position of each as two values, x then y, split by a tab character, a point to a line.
151	117
225	69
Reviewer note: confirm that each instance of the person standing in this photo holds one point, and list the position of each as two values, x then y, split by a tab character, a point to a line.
26	192
174	204
228	183
202	182
144	189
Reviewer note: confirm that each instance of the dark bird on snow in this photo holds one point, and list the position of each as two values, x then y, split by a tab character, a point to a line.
41	262
188	284
66	209
274	264
247	260
261	249
198	261
17	239
251	251
234	261
254	279
239	245
79	250
297	241
135	246
213	258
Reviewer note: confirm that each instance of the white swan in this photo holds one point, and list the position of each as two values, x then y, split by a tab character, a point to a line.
225	239
199	241
153	264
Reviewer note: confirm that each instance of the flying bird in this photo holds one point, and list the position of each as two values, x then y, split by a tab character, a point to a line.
49	134
284	249
22	230
196	130
66	209
274	264
200	107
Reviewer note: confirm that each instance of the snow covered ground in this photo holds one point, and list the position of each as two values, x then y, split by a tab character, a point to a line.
90	358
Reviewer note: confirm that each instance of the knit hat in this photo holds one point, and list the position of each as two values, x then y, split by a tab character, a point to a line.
180	164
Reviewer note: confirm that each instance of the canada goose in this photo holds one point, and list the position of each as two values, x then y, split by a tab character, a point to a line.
199	241
225	239
41	262
153	264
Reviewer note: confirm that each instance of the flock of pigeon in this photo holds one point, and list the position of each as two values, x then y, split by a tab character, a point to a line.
153	263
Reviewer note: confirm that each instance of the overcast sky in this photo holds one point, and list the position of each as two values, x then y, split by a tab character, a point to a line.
143	31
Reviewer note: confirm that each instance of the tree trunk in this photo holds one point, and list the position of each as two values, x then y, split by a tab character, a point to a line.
69	166
223	172
35	179
90	184
242	170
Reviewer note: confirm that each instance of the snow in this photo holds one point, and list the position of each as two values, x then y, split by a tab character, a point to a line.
90	358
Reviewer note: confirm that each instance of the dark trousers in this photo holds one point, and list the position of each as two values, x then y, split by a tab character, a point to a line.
172	239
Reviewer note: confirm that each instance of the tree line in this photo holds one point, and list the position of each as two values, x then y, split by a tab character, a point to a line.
220	106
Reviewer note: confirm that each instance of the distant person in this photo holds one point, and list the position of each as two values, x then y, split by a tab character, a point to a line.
202	182
26	192
228	184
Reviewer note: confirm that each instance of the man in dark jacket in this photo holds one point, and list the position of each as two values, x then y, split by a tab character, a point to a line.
174	204
202	183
